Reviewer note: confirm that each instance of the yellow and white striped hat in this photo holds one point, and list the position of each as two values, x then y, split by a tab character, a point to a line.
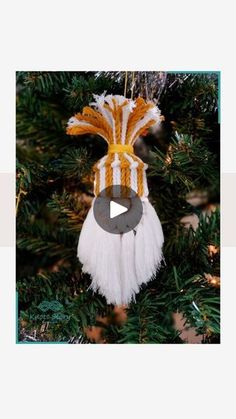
120	121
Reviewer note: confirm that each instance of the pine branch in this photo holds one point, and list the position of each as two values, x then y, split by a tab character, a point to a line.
54	190
70	213
188	164
149	321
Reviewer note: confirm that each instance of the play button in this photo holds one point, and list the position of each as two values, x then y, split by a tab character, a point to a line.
118	209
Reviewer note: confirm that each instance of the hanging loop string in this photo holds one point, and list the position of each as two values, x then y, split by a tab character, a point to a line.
132	85
126	80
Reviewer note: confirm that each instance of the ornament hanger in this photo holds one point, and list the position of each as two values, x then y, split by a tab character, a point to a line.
132	84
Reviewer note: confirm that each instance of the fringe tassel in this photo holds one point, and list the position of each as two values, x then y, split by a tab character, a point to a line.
120	264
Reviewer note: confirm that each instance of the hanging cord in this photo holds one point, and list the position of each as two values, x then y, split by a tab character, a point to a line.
146	85
126	80
132	84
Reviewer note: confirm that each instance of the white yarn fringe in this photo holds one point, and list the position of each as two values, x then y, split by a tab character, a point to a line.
120	263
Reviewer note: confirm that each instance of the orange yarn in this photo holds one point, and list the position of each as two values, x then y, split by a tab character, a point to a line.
143	129
125	171
109	171
109	124
121	148
96	119
137	115
86	129
140	181
97	183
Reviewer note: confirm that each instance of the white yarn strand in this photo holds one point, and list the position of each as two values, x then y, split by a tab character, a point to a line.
116	170
96	250
120	263
154	114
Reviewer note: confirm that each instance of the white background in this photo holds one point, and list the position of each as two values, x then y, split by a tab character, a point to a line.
116	381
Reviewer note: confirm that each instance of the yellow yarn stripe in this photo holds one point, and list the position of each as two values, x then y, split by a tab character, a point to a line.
120	148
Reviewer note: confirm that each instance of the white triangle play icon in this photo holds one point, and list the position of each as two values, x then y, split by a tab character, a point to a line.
116	209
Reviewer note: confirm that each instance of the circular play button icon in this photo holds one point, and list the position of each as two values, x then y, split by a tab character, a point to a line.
118	209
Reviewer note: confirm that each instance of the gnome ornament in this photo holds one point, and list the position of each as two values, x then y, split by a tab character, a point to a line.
119	263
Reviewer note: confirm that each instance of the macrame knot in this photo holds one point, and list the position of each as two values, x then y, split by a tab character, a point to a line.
120	148
119	121
119	263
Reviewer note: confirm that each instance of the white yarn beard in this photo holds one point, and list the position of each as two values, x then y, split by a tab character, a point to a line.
120	263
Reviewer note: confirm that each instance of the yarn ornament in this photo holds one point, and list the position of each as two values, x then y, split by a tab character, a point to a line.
119	263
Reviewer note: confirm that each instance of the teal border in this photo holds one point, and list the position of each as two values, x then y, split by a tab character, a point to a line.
219	120
18	342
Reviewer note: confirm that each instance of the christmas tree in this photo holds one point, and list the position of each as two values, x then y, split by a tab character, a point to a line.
54	191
